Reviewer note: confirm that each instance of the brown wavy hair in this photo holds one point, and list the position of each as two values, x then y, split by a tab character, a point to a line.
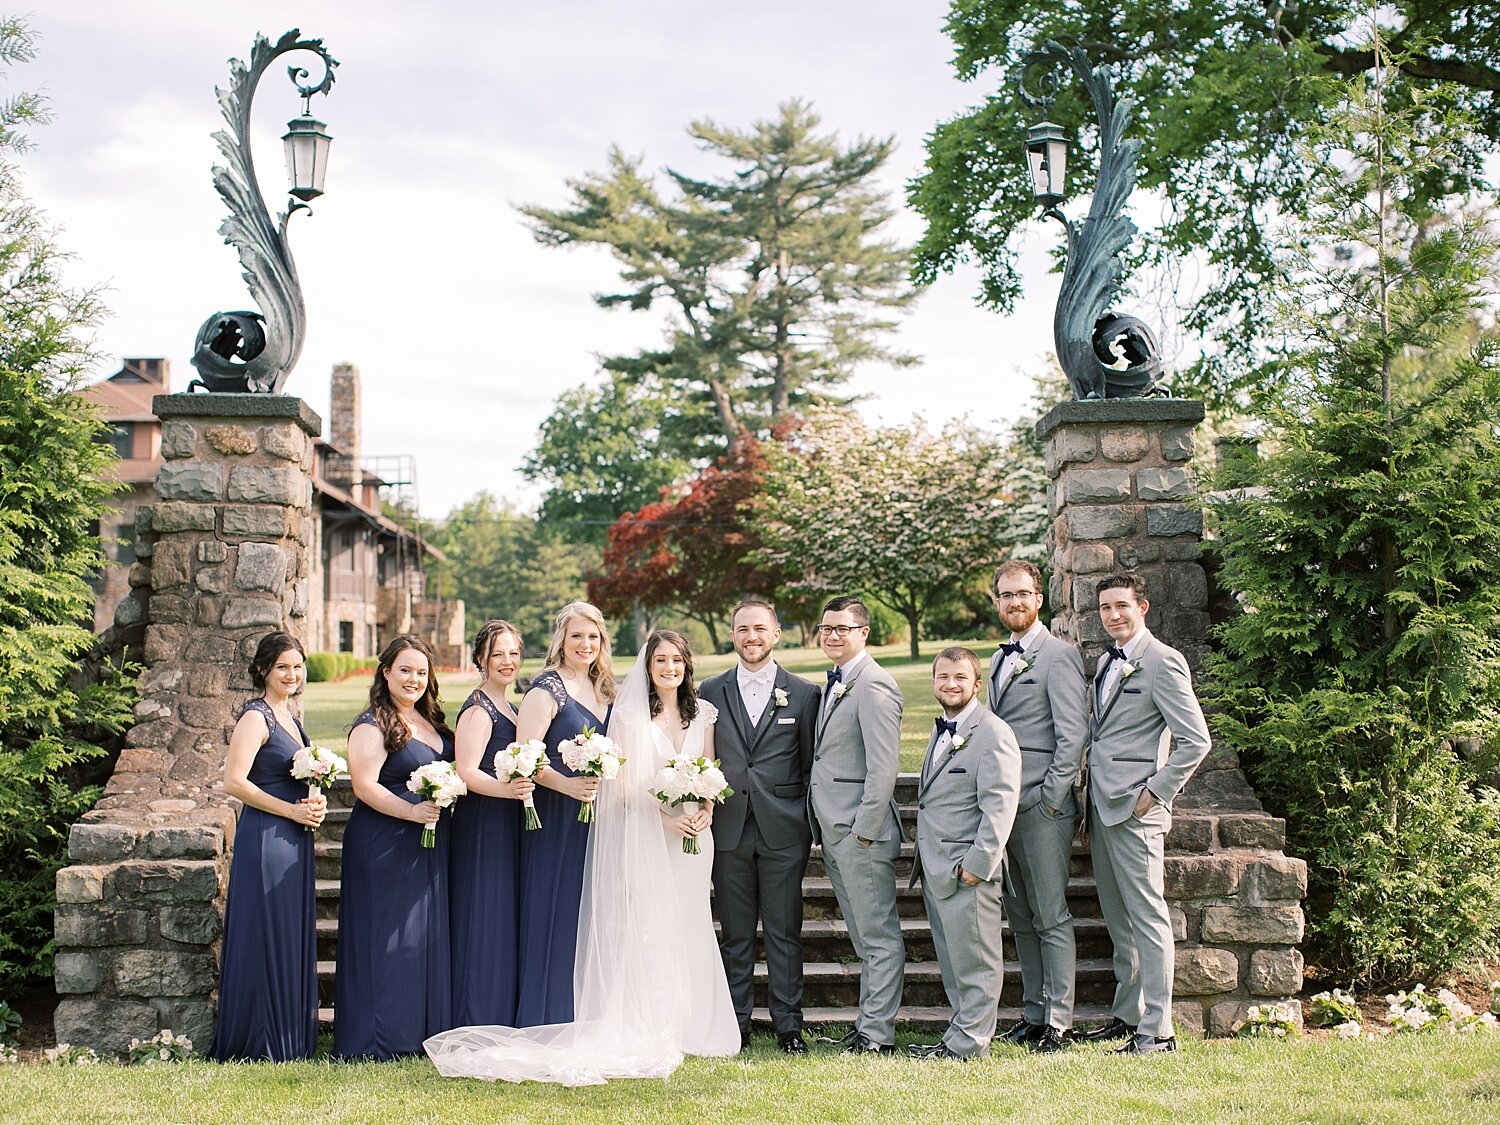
601	671
687	694
387	718
486	637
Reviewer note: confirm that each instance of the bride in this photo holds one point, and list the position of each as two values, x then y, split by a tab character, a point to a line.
648	984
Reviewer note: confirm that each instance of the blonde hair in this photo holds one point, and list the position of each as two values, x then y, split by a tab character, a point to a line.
601	672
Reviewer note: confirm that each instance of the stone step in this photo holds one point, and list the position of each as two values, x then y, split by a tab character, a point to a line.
836	984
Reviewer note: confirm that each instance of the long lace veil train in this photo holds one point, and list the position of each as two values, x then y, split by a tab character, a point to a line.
630	998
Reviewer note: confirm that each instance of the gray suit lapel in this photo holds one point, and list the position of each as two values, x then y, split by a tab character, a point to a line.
1119	682
963	734
736	707
929	768
826	707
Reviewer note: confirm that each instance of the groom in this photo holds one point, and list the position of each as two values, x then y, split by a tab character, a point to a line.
855	816
764	740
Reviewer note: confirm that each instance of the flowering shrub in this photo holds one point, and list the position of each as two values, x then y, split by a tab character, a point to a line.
1331	1009
1273	1021
9	1056
65	1054
1420	1010
163	1047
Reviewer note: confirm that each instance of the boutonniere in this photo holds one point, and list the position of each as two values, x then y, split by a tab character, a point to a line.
1021	665
1128	669
839	689
778	697
958	742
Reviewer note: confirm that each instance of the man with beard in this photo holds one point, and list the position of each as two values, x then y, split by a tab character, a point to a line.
764	740
1037	686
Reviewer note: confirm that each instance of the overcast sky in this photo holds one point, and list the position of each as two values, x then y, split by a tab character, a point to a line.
415	267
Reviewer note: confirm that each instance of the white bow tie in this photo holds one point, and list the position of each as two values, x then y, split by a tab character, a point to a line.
757	678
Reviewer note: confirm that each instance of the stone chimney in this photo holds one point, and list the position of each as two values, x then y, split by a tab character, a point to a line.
343	426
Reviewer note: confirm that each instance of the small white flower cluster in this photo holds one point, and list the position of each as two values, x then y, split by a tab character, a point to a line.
318	765
65	1054
592	754
779	698
1333	1009
521	759
1275	1021
9	1056
163	1047
437	782
1441	1011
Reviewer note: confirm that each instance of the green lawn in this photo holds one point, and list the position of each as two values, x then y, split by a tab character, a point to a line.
1423	1079
329	708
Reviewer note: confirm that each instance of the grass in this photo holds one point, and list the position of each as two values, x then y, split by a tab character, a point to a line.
329	708
1419	1078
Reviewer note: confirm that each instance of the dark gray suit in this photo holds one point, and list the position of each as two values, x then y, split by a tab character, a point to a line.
1046	705
1129	753
762	839
966	804
852	793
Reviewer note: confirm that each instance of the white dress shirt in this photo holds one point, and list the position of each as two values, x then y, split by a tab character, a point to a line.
847	667
1026	641
945	740
755	689
1116	667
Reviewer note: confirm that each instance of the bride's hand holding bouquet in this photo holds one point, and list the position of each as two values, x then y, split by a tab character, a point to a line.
690	786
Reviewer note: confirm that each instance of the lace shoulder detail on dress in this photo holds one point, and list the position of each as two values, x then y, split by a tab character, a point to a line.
365	720
550	682
707	712
477	698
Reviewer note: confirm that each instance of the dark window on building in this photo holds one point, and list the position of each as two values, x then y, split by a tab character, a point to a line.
120	436
346	636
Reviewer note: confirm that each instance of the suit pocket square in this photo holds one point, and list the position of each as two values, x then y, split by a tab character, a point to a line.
958	769
788	721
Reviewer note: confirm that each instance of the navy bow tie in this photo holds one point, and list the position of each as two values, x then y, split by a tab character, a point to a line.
1010	647
835	676
1115	652
949	725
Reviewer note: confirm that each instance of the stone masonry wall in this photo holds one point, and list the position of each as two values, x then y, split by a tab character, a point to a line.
223	559
1121	496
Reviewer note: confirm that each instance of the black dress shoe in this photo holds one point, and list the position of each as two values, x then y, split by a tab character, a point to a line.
1050	1041
1148	1045
792	1043
1116	1028
864	1045
1022	1031
941	1051
744	1041
840	1041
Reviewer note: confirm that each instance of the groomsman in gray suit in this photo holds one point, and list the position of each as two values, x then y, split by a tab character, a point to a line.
854	815
764	740
1037	686
1142	692
966	804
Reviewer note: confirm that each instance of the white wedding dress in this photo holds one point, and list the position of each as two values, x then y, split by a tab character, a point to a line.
648	983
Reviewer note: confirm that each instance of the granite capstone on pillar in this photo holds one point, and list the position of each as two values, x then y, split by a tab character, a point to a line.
224	558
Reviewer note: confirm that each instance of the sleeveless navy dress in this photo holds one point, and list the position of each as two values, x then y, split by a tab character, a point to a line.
393	987
268	985
483	885
552	875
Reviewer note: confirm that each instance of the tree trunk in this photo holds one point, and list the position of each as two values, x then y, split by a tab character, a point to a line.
914	623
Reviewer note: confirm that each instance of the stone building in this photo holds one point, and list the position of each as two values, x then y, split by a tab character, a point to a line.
368	574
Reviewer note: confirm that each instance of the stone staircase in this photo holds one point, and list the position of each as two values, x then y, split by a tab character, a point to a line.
831	991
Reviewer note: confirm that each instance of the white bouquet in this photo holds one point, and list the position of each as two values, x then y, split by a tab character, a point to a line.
439	783
320	767
691	782
591	754
523	759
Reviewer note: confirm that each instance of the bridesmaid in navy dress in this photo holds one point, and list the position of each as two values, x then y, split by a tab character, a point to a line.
268	986
484	867
574	691
393	987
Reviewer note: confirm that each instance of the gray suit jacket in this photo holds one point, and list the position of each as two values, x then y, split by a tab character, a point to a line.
856	759
1129	749
768	763
967	804
1047	708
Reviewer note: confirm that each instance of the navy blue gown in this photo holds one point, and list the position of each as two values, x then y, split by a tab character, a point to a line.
268	984
393	987
483	884
552	875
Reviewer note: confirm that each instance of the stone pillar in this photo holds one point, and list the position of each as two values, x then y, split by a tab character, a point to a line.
1122	496
224	559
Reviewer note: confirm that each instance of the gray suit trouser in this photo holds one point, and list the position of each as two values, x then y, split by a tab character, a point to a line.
1128	868
966	928
1036	903
864	882
755	880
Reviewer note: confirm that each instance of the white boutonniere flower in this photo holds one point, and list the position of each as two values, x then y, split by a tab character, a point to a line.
839	689
958	742
1021	665
1128	669
778	697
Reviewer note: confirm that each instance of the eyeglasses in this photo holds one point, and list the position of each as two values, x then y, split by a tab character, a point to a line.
840	631
1015	595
